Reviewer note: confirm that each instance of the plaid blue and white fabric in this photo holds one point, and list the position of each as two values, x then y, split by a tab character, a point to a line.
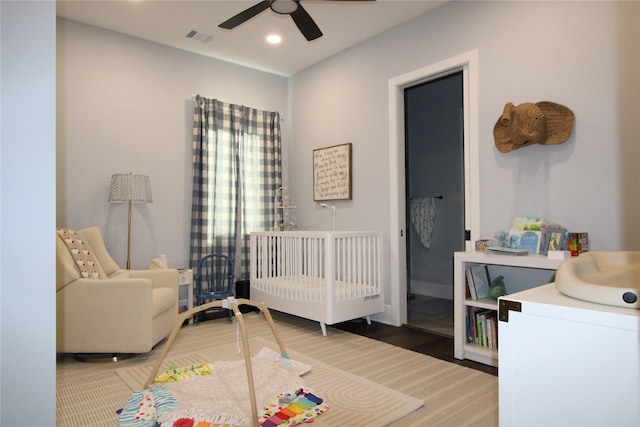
237	168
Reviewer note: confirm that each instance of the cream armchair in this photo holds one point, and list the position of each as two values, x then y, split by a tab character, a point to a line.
123	311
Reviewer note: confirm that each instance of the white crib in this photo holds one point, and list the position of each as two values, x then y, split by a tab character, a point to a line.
329	277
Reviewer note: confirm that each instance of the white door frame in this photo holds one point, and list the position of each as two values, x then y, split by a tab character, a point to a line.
396	314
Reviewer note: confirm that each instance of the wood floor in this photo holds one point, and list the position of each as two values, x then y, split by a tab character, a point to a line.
435	345
411	338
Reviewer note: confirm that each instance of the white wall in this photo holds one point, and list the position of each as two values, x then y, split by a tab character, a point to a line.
124	105
27	194
581	54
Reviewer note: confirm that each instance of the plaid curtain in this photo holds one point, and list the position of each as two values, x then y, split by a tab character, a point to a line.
236	172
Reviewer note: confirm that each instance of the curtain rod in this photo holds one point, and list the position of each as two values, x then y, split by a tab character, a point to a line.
282	116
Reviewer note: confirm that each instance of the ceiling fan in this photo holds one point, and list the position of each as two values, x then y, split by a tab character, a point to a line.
300	16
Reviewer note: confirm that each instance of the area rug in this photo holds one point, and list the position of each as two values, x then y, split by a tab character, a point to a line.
353	400
89	394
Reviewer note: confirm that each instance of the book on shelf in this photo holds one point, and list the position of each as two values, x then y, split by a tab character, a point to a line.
500	250
470	287
525	233
472	336
482	320
473	325
491	329
482	327
480	279
526	240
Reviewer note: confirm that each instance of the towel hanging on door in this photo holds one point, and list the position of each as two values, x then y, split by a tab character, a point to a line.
423	211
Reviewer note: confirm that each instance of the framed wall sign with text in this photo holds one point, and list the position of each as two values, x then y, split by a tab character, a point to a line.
332	173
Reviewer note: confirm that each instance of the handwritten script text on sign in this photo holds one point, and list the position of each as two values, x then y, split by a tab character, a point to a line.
331	169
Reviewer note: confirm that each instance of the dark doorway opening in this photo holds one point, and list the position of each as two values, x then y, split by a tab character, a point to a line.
434	178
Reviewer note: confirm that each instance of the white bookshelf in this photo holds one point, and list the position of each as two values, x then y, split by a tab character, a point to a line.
520	272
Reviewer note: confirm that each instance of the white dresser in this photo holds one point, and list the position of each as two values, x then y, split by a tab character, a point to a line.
567	362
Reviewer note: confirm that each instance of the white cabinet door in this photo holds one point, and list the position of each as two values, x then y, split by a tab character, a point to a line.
565	362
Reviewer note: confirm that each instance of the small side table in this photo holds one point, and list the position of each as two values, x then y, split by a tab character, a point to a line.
185	282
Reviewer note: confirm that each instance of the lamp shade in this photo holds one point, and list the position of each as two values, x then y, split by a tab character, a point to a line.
127	187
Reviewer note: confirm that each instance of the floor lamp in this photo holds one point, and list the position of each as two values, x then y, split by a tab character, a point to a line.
130	188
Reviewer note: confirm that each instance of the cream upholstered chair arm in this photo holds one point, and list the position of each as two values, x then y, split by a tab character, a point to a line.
118	315
160	278
127	295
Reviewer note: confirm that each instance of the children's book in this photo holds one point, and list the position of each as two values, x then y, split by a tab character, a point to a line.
481	282
499	250
470	286
525	233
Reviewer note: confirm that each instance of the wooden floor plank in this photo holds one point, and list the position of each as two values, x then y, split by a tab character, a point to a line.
424	342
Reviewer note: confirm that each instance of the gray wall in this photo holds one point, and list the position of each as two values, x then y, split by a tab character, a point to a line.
27	191
124	105
585	55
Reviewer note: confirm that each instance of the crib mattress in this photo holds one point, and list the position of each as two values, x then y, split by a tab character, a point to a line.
300	287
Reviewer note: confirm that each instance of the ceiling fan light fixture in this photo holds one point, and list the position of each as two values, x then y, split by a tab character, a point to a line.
293	8
284	7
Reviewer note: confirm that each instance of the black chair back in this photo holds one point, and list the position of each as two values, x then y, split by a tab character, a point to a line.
214	278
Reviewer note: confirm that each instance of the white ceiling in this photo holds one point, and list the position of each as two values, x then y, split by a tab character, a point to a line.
344	24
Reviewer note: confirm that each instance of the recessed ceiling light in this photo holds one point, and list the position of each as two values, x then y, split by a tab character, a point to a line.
274	39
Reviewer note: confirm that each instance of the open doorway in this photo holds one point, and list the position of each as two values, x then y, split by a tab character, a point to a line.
434	185
396	295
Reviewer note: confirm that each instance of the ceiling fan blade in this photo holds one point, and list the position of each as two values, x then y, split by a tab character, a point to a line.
305	23
245	15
